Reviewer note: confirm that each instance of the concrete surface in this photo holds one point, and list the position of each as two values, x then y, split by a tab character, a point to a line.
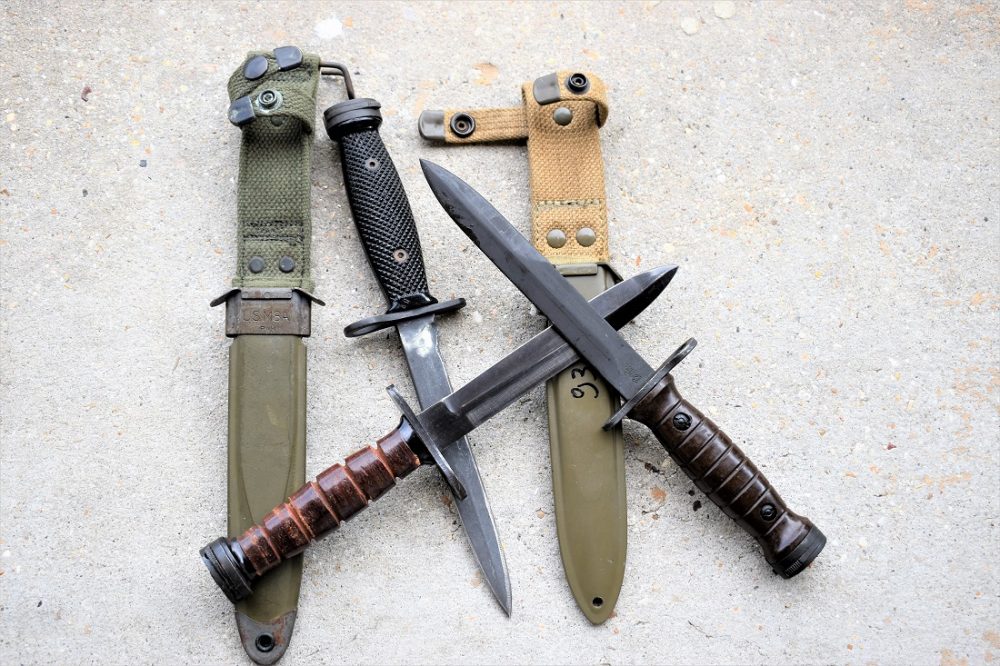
825	175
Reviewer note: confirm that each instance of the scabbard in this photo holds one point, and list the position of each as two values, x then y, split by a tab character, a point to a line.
273	102
560	118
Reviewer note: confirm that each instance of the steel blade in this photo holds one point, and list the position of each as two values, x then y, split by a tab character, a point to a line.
430	379
599	344
545	355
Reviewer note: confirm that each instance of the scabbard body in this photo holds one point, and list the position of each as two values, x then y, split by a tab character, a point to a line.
273	102
560	118
267	449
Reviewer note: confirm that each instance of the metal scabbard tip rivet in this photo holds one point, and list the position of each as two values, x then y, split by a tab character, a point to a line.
462	124
287	264
586	237
556	238
400	256
578	83
256	264
255	68
562	116
682	421
768	512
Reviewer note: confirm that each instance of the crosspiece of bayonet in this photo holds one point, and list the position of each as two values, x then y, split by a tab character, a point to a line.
706	454
343	490
389	235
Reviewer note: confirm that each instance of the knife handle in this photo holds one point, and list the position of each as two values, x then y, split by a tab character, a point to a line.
723	472
313	511
379	205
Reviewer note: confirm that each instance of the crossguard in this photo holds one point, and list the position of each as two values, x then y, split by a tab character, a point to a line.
679	354
425	438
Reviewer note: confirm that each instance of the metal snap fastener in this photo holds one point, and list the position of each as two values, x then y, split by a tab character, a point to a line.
269	99
562	116
556	238
256	264
578	83
286	264
287	57
682	421
586	237
255	68
462	124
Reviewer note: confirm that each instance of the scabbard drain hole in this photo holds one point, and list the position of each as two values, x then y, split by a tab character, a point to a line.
597	602
265	642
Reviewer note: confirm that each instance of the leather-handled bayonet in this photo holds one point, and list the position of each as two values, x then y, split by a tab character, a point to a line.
273	102
706	454
240	563
560	119
389	235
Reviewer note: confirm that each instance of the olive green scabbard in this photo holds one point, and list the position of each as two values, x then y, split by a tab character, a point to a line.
588	472
267	449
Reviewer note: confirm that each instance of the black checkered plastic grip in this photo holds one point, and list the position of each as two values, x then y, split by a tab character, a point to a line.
384	220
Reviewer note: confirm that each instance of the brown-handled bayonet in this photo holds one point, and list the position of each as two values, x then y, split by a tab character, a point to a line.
341	491
717	466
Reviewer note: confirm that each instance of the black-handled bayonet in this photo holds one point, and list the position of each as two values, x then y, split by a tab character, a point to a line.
389	235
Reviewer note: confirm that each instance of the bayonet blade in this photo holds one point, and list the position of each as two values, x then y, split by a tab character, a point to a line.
598	343
538	359
430	379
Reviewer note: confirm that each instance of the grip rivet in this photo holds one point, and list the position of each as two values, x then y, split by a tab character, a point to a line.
768	512
400	256
256	264
682	421
371	164
287	264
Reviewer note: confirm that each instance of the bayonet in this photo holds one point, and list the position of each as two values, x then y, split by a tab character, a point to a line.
389	235
343	490
706	454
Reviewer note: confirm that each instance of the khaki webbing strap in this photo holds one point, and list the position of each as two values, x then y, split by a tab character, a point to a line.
569	220
273	209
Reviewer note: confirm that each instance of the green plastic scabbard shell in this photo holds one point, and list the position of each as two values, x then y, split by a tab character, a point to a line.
267	448
588	472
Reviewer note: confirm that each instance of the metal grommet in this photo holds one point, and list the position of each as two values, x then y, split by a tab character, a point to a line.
400	256
462	124
371	164
255	68
578	83
586	237
256	264
562	116
286	264
264	642
556	238
682	421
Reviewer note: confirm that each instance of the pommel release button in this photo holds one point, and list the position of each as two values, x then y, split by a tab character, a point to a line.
241	111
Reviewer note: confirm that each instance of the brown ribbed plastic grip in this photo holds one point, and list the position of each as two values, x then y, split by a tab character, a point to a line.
723	472
316	509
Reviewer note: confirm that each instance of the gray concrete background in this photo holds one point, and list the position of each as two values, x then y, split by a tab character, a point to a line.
824	174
